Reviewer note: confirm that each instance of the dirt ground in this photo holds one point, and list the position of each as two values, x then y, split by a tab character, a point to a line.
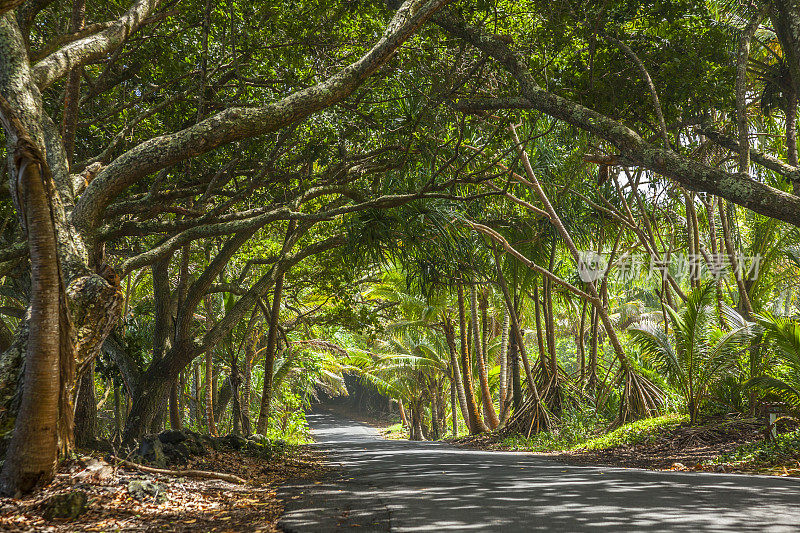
192	504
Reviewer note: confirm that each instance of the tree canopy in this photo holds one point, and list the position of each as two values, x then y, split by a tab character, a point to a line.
491	213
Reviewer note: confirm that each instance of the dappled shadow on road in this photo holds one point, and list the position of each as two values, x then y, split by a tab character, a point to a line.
428	486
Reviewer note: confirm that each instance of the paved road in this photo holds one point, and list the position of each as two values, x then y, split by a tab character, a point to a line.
407	486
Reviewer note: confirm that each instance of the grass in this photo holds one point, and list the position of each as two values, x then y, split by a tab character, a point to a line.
638	432
395	432
576	428
580	431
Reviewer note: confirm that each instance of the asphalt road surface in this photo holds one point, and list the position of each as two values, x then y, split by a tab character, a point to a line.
383	485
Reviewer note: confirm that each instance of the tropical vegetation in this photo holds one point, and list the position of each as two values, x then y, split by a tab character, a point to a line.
521	218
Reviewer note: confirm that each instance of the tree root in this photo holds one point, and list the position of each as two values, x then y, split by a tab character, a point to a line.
532	417
558	392
181	473
641	398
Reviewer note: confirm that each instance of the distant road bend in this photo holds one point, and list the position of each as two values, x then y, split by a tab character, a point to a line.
384	485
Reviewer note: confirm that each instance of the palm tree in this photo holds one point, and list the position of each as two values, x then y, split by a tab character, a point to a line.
783	335
697	354
406	367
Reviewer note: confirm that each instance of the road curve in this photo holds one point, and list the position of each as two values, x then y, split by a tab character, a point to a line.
383	485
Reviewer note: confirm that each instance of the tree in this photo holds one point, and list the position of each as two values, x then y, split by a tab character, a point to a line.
782	334
79	214
701	353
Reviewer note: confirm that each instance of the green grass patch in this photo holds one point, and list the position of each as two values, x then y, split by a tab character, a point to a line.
641	431
582	431
638	432
395	431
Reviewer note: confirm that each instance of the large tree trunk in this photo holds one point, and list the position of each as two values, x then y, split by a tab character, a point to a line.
94	299
31	456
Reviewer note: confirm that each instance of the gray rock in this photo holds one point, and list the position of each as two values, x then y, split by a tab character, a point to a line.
151	451
263	451
178	453
195	446
172	436
69	505
210	441
232	441
147	490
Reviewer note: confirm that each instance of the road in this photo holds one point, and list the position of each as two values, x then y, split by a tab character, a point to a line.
383	485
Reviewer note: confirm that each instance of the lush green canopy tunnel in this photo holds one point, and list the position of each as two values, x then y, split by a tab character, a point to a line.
515	217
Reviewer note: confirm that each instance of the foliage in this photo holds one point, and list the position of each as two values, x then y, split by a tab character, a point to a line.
700	353
783	336
641	431
783	450
576	428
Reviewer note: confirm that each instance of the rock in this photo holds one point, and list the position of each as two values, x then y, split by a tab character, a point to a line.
195	445
258	438
69	505
151	451
177	453
95	471
172	436
678	466
232	441
147	490
263	451
210	441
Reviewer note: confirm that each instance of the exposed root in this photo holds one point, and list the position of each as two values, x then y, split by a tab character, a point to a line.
181	473
532	417
559	392
641	398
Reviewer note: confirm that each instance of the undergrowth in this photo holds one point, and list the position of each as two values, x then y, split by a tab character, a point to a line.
784	449
576	428
583	431
395	431
638	432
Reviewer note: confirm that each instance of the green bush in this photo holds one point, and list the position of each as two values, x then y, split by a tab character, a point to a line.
783	449
646	430
576	428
